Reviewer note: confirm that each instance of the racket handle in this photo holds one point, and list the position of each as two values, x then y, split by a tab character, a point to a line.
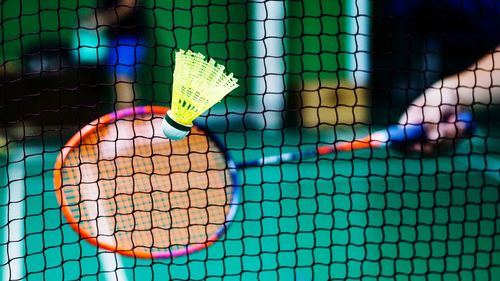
407	133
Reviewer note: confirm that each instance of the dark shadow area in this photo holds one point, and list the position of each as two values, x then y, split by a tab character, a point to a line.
47	88
415	43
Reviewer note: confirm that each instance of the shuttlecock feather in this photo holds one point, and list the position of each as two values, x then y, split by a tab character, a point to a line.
198	85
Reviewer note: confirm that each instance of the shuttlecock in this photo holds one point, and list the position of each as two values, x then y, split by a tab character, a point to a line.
198	85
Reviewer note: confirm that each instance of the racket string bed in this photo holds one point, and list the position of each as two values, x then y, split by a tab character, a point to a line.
127	188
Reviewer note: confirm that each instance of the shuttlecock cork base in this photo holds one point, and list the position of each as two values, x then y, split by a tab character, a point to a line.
198	85
173	129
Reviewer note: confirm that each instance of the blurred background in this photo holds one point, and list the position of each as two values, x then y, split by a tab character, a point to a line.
299	63
288	58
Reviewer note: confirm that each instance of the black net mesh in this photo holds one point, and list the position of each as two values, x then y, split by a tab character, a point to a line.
311	73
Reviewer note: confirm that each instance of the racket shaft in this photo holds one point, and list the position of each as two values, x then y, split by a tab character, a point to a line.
392	135
309	153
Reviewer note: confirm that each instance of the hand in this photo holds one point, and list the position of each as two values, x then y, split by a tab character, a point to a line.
437	110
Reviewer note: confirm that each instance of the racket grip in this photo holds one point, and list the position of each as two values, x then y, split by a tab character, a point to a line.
408	133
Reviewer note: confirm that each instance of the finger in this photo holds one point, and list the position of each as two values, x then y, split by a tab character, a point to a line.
438	138
451	129
447	131
426	144
431	131
416	147
463	129
429	148
430	144
422	147
410	148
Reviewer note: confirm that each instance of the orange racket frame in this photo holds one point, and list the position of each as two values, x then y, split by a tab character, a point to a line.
76	141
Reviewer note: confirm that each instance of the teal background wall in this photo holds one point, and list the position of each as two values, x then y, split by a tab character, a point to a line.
317	39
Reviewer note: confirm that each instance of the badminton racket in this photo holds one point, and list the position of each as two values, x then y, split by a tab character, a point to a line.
126	188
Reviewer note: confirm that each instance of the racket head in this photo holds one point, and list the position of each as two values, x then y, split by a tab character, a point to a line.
126	188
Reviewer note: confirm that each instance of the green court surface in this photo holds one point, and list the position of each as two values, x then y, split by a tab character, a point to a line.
370	215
